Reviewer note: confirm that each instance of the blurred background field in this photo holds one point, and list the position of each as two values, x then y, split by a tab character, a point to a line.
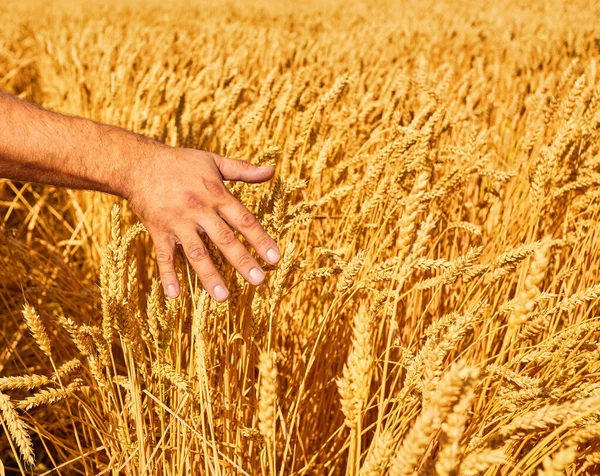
435	310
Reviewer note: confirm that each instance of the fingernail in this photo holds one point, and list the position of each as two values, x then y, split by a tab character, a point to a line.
273	255
220	293
172	291
256	276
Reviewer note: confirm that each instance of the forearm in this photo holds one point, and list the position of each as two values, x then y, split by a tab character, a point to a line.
46	147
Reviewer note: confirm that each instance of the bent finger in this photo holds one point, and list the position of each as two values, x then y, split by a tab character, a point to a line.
240	218
198	256
233	250
164	245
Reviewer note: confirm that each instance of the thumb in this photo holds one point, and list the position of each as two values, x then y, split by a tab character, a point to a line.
232	169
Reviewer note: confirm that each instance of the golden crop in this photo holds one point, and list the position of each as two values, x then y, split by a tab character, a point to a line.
436	202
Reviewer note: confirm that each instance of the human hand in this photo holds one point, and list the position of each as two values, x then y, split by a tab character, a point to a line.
179	195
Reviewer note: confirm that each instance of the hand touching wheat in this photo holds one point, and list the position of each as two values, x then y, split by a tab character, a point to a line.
177	193
180	196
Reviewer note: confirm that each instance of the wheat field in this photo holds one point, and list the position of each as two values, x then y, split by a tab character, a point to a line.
436	202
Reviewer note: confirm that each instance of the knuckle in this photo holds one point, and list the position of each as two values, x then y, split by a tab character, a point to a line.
210	277
225	236
244	165
168	275
247	220
197	252
215	188
264	240
164	257
244	260
192	200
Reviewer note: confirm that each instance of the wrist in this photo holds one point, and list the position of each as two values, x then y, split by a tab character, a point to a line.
131	156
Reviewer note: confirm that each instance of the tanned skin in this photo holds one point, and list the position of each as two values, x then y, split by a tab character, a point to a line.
177	193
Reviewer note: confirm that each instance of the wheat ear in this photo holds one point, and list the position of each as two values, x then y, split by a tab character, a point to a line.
16	429
38	331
